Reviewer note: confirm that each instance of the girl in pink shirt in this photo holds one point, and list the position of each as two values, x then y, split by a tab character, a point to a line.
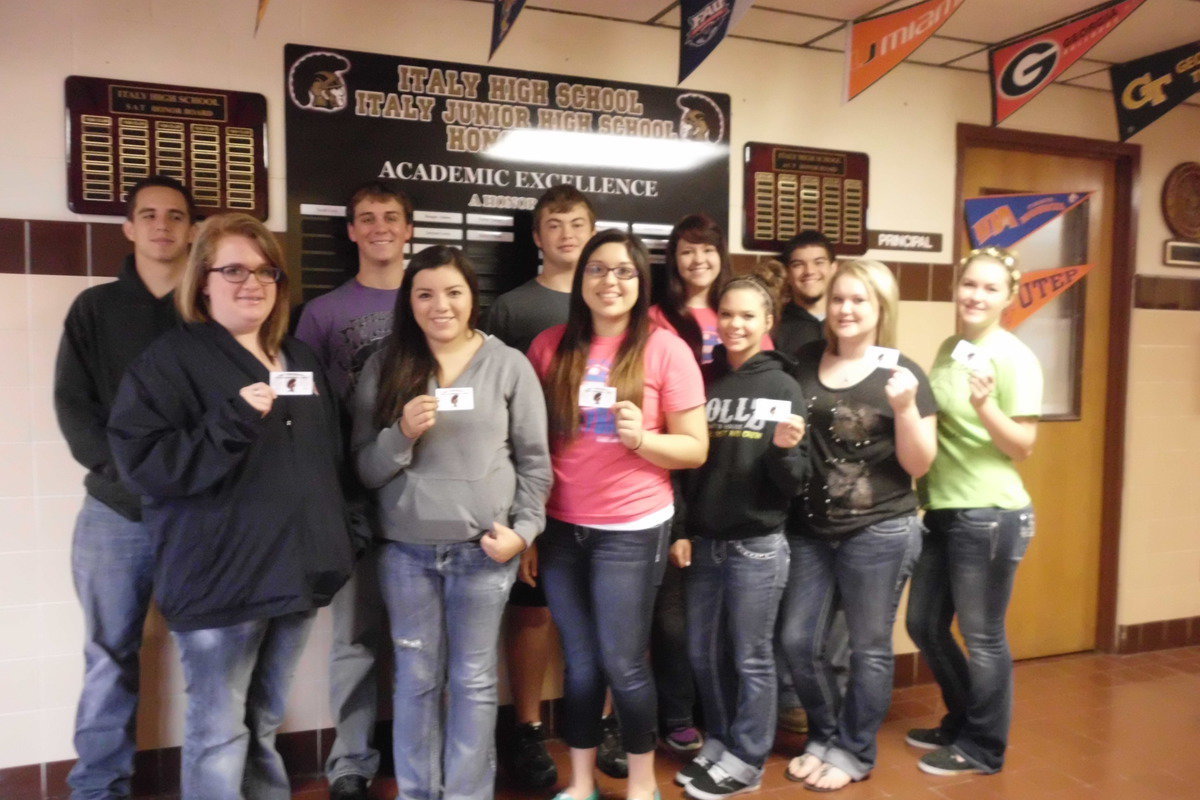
626	405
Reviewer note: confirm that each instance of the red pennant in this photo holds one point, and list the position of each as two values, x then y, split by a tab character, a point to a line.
1040	287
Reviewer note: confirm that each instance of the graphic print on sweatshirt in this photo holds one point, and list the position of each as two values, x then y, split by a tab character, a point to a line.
598	423
730	417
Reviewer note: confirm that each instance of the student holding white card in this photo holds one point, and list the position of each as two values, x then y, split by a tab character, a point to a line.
605	546
241	493
450	435
871	430
735	556
988	385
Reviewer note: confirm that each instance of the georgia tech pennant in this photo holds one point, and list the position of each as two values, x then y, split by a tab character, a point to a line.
1022	67
878	44
504	14
703	25
1146	88
1039	288
1002	220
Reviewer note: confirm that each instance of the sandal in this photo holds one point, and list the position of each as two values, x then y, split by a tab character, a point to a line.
826	770
794	772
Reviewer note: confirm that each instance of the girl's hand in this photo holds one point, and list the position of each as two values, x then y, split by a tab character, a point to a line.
681	553
901	389
260	396
419	415
629	424
501	543
528	571
788	434
982	382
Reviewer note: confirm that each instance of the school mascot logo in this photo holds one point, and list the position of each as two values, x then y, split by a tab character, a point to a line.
317	82
1030	69
706	23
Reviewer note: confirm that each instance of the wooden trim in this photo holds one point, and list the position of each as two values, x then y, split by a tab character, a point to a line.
1126	159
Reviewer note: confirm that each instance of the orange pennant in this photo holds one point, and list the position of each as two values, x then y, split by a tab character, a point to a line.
1039	288
262	12
877	44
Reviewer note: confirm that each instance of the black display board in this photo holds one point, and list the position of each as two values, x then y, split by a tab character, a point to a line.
434	128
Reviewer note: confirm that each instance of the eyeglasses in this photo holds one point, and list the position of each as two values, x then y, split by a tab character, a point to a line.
236	273
624	272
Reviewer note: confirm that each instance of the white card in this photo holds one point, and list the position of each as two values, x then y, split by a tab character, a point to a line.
773	410
460	398
292	383
883	357
597	395
967	354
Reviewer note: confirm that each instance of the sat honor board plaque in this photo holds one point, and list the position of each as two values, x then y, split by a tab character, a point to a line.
211	140
789	189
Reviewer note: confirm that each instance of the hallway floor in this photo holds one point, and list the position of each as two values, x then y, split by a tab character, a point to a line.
1086	727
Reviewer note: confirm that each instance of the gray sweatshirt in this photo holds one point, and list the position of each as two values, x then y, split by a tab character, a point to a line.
471	468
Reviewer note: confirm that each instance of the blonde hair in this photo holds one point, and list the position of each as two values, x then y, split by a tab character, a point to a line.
1006	258
881	284
190	299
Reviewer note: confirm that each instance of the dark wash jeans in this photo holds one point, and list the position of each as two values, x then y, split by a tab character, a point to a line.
601	586
733	593
866	572
967	567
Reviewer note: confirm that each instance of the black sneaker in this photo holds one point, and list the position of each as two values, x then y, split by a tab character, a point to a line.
528	762
927	738
610	757
349	787
944	761
717	783
693	769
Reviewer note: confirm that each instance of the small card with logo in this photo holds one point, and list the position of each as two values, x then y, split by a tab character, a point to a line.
597	395
292	383
968	354
458	398
772	410
883	357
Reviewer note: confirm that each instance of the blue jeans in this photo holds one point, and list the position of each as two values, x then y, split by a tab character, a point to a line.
237	683
967	567
733	592
112	562
444	605
601	587
867	572
359	635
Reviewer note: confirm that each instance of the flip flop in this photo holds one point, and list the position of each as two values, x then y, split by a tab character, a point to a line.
793	776
821	772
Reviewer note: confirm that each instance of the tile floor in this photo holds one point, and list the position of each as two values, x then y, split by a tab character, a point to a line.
1086	727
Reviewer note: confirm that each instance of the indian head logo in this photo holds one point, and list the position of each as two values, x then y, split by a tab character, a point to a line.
706	23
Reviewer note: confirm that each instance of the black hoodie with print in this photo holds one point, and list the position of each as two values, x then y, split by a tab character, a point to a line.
746	485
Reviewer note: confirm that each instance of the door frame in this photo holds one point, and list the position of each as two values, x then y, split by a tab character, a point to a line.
1126	159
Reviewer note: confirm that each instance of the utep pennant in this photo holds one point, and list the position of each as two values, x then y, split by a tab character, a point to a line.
1146	88
504	14
1022	67
1039	288
702	26
1002	220
878	44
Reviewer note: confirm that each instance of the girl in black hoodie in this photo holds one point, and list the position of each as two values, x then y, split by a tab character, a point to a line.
736	556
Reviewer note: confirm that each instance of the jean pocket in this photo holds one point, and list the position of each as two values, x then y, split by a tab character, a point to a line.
761	548
1026	525
896	526
980	518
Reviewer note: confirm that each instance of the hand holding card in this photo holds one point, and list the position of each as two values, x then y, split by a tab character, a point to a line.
419	415
901	389
883	357
597	395
772	410
292	383
455	398
789	432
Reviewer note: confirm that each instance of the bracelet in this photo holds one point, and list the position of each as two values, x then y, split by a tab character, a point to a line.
641	441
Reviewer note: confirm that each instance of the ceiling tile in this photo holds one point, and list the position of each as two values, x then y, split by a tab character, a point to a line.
775	26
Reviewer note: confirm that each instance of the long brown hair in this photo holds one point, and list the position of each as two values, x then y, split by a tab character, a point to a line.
695	229
407	360
190	299
565	374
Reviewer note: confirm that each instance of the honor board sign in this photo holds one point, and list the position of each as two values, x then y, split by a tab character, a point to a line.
476	146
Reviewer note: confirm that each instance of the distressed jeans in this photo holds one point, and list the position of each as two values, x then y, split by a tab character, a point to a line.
444	604
733	593
238	678
967	567
867	571
112	562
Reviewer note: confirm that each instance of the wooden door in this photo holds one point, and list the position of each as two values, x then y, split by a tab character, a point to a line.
1054	607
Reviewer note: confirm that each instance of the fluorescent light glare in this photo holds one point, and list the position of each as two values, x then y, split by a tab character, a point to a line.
603	150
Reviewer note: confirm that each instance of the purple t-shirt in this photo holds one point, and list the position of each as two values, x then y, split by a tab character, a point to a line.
345	326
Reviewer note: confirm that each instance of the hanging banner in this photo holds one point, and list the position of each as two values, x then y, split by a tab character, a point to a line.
1022	67
703	25
1039	288
1146	88
1002	220
878	44
504	14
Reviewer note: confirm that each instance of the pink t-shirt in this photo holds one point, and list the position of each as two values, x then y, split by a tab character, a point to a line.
706	318
597	480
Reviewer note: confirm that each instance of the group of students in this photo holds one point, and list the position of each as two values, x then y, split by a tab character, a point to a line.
472	464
